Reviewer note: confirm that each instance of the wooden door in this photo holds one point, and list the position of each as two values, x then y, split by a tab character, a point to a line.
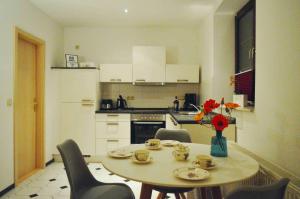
25	109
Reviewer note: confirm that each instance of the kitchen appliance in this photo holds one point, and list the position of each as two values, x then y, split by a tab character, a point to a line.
121	103
145	125
189	98
106	104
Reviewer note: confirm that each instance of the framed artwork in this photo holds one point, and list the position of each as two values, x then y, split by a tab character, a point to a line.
71	61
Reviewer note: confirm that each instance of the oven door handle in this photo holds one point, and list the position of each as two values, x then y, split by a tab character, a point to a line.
148	122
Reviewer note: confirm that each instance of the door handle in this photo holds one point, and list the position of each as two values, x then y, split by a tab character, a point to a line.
112	140
148	123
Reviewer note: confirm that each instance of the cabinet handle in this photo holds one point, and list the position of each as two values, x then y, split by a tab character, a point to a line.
112	115
112	140
87	104
182	80
140	80
174	122
87	101
112	123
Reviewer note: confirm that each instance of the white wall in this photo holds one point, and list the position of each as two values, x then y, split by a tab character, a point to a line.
22	14
114	45
224	51
149	96
217	56
272	131
206	42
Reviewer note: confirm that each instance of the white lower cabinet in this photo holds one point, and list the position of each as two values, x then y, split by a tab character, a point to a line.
105	145
112	131
171	123
78	123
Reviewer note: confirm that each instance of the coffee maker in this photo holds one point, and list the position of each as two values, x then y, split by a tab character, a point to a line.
189	98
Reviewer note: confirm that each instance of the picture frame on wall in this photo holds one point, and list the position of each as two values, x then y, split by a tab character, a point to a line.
71	61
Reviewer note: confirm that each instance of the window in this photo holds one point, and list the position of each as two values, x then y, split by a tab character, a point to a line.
245	51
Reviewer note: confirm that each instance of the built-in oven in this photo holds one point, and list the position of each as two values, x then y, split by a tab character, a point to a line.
144	126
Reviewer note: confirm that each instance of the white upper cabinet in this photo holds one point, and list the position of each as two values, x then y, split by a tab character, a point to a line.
78	85
116	73
182	73
149	64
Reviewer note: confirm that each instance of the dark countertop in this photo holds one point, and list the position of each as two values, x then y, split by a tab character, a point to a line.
184	118
181	117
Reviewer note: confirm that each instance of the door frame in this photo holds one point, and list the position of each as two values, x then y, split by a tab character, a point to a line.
40	97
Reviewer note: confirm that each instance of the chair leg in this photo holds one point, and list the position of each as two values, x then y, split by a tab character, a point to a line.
182	195
159	195
177	196
203	193
163	195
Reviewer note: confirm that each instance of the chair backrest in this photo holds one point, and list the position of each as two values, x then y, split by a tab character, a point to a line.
79	175
272	191
180	135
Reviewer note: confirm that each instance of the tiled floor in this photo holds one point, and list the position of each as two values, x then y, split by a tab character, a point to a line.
52	183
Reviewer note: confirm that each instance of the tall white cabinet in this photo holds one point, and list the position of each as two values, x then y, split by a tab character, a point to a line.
77	106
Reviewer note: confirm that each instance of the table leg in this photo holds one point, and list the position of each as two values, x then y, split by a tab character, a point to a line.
216	192
146	191
203	193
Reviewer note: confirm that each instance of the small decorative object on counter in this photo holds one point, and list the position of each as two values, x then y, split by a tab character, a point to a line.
218	122
176	104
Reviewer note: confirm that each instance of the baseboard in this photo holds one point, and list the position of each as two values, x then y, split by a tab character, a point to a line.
7	189
49	162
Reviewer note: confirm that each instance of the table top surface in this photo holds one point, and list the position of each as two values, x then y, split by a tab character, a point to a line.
236	167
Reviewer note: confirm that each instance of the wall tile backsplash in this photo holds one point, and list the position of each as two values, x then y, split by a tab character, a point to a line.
148	96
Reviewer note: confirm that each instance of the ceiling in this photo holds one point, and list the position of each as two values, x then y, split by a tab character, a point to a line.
140	12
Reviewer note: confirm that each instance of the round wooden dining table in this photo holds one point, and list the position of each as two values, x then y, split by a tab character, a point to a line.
236	167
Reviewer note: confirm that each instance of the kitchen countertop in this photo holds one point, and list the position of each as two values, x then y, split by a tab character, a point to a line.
184	118
181	117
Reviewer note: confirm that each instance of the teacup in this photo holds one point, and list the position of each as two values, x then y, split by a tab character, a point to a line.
153	143
181	155
181	148
141	154
204	161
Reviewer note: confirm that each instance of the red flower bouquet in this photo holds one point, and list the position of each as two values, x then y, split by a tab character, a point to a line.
217	121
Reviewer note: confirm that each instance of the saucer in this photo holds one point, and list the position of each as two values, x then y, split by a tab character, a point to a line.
153	147
119	154
142	162
191	173
169	143
213	166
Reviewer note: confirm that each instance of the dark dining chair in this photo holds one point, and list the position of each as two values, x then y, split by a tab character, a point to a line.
82	182
180	135
272	191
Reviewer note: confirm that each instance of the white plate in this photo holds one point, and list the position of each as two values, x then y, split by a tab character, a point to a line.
213	166
191	173
169	142
142	162
120	154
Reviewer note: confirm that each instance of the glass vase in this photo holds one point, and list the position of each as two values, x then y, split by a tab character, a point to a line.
218	145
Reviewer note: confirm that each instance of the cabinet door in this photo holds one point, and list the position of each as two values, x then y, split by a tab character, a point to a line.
112	129
105	145
116	73
149	64
182	73
78	85
171	123
78	123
